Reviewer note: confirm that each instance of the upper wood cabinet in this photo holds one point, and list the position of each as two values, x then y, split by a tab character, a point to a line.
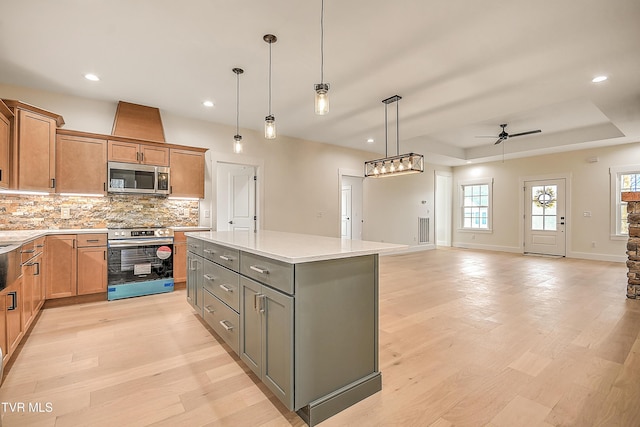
81	165
128	152
187	173
33	147
5	136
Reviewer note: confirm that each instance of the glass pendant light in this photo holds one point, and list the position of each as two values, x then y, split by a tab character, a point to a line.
237	138
322	89
270	120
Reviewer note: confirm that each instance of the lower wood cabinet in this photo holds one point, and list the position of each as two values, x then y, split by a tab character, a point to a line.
179	257
12	305
76	265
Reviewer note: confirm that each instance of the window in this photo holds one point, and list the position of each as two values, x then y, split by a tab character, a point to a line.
476	205
626	178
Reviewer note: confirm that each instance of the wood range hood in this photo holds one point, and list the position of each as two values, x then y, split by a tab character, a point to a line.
138	122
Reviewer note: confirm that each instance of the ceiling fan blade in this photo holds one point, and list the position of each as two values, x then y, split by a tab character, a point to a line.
499	141
524	133
485	136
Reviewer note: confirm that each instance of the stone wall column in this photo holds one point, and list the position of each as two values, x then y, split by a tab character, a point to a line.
633	244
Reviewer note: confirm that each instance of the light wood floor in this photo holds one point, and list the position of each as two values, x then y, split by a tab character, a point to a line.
467	338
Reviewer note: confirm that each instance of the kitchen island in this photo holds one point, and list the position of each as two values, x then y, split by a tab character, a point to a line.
301	311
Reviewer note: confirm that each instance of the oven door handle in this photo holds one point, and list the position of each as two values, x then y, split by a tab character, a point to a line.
138	243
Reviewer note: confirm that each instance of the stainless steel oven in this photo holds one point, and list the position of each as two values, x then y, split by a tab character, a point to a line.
139	262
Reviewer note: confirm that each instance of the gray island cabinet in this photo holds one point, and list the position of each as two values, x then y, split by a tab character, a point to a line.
301	311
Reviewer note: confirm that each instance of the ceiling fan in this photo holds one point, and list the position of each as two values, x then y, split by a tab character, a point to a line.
503	135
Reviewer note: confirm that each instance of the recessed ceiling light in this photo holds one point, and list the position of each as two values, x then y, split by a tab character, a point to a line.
370	141
208	103
92	77
469	162
599	79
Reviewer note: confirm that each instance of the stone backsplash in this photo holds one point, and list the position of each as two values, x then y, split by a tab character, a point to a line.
34	212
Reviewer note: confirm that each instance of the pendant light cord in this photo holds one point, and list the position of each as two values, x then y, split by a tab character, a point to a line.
237	103
322	42
397	128
270	78
386	143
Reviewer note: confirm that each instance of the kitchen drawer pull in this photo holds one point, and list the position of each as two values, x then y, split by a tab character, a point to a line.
225	258
259	269
225	324
207	251
93	240
226	288
209	309
14	300
28	251
191	245
191	267
209	277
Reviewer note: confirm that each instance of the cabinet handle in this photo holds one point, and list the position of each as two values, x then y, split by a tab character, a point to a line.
225	258
192	268
142	157
226	288
209	277
208	251
28	251
14	300
259	269
93	240
261	299
53	183
104	255
104	186
225	324
73	244
40	246
37	264
137	156
0	174
208	309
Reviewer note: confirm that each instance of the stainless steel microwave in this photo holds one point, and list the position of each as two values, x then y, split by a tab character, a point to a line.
135	178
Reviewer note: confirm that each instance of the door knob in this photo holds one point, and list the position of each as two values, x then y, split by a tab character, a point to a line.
230	222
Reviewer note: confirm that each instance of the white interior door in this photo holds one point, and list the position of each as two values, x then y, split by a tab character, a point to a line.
444	207
242	198
346	214
545	218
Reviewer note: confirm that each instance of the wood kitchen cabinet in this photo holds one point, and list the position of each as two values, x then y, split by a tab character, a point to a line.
128	152
61	266
5	137
12	300
32	144
92	264
76	265
179	257
187	173
32	280
81	165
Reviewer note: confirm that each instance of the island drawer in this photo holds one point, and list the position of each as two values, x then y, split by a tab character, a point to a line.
224	321
222	255
223	283
194	245
97	239
271	272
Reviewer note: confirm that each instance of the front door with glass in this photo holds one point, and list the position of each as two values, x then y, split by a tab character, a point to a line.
545	219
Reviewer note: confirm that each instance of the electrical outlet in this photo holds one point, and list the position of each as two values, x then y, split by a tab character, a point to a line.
207	213
65	213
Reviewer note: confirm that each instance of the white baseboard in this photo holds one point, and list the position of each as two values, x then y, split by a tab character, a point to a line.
466	245
597	257
415	248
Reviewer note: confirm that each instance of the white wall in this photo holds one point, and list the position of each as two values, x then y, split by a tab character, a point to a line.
392	206
589	191
301	188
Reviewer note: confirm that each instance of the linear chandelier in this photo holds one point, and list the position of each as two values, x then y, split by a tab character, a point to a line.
400	164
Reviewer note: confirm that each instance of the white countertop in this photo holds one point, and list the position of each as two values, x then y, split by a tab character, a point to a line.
295	248
22	236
